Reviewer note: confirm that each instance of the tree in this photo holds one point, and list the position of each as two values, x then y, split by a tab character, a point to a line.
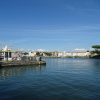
39	54
48	53
96	47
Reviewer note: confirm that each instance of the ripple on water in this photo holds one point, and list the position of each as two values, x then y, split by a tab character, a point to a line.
60	79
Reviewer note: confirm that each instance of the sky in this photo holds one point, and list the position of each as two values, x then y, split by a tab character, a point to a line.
50	24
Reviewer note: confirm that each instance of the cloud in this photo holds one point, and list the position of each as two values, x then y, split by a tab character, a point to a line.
83	7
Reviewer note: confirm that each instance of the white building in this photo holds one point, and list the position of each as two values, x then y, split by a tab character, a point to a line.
32	53
6	53
74	54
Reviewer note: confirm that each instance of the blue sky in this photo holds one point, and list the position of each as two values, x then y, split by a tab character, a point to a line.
50	24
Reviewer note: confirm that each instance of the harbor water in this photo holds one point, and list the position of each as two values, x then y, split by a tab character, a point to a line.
59	79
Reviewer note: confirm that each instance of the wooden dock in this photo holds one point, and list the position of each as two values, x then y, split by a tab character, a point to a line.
21	63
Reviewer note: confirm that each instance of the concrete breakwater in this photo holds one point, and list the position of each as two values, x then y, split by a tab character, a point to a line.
21	63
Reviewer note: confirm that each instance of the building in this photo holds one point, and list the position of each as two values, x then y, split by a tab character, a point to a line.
74	54
32	53
6	54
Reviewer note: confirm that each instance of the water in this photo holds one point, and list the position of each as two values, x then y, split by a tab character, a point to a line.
60	79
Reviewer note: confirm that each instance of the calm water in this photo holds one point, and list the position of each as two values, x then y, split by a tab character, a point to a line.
60	79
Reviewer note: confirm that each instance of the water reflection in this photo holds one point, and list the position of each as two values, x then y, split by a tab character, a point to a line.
6	72
96	62
60	79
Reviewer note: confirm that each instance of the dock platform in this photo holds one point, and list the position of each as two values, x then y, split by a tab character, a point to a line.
21	63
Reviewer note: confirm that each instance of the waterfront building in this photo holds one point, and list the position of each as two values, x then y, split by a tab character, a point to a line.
6	54
32	53
74	54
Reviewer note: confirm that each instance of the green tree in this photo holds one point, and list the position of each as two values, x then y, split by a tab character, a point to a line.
48	53
97	49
